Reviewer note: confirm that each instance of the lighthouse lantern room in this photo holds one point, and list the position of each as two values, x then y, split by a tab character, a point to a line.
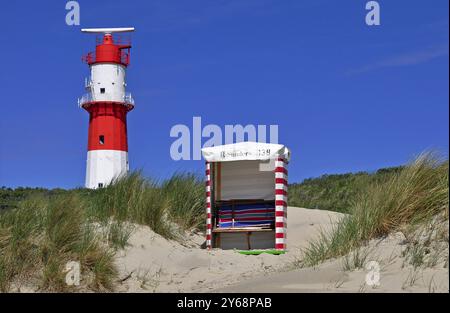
107	103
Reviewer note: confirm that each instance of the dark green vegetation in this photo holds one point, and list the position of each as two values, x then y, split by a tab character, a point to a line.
9	198
42	230
336	192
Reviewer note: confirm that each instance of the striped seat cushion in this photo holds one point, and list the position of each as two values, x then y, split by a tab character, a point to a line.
245	215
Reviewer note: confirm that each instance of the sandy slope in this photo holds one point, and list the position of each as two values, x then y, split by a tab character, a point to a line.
154	264
157	264
395	275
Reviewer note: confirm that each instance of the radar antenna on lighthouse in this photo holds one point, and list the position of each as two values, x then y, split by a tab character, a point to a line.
107	103
108	30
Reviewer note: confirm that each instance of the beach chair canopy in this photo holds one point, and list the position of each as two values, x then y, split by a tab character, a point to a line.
246	151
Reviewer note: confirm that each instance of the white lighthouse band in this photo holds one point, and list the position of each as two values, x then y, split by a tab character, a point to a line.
104	166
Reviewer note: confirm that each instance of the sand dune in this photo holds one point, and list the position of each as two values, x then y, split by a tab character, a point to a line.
154	264
394	275
159	265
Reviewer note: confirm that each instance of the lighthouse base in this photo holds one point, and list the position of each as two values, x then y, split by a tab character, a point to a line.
105	165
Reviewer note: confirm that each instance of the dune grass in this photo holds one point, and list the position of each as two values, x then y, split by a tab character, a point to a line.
427	245
166	207
41	236
185	194
41	233
132	198
411	196
336	192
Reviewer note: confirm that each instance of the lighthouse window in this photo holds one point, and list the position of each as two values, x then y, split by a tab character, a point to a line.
101	139
102	90
100	185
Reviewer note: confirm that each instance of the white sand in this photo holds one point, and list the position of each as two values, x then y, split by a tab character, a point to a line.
394	275
159	265
154	264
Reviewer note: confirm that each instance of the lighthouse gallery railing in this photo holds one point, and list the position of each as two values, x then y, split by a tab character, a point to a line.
86	98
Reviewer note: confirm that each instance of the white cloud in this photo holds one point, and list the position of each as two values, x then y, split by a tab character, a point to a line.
407	59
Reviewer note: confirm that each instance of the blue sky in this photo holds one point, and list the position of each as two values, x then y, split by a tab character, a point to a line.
346	97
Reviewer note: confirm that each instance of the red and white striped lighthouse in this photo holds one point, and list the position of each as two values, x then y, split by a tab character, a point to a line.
108	104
